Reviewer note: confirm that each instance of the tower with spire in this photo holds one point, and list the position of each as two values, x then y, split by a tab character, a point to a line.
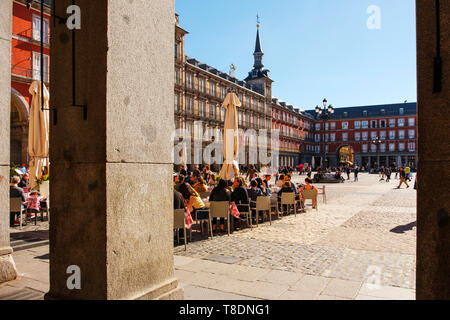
259	77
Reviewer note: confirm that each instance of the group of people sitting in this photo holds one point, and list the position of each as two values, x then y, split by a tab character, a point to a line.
31	201
189	187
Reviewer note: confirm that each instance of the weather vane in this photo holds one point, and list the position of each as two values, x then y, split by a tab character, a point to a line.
258	20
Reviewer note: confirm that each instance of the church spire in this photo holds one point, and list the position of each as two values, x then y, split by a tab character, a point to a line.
258	51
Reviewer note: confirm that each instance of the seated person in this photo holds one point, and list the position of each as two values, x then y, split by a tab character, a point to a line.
16	192
33	203
200	186
220	193
178	200
240	195
177	182
280	181
25	181
193	201
287	178
308	186
253	193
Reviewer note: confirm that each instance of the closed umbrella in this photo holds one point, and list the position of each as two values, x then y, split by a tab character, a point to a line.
230	167
313	163
38	133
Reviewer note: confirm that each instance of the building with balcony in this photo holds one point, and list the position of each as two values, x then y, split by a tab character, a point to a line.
26	67
353	135
200	90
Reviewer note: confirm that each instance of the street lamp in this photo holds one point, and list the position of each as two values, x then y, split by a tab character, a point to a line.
325	114
377	141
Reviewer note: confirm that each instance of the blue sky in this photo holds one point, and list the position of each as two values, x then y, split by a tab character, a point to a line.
313	48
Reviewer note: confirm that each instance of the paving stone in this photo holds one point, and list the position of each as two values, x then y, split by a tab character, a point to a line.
199	294
342	288
222	259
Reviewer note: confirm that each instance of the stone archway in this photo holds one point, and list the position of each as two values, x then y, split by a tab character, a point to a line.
20	112
345	154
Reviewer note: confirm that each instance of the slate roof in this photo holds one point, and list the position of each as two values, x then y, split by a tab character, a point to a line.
374	111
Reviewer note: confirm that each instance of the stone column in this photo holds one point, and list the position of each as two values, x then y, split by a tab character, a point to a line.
111	190
433	221
7	267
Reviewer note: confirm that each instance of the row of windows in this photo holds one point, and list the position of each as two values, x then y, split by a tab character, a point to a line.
290	118
373	124
219	112
391	147
246	101
364	136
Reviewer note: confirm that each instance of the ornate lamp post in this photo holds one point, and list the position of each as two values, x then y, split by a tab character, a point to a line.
324	114
377	141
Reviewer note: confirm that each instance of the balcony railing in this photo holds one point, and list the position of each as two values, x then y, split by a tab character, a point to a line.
30	74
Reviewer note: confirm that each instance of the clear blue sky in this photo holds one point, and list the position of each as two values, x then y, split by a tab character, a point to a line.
313	48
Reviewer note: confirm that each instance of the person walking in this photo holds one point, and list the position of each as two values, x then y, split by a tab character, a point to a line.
388	174
348	170
356	172
382	173
402	178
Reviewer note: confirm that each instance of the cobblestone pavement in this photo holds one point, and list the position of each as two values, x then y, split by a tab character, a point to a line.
365	232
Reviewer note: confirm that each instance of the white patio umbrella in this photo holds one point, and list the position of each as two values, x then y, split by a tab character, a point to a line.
230	167
38	133
313	163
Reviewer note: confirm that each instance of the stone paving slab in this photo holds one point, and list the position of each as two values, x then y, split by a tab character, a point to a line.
198	293
342	288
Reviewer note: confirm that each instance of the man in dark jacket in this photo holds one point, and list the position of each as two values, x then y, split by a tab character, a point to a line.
25	181
15	192
178	200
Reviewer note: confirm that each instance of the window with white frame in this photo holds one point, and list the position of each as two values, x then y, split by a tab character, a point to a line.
411	122
365	124
357	124
345	137
401	134
212	88
327	126
412	134
373	124
365	148
318	126
383	135
373	135
391	147
392	123
326	137
317	137
383	147
373	147
392	134
37	66
333	125
382	123
412	147
402	111
37	29
401	146
223	94
201	85
401	122
365	136
344	125
189	105
357	136
202	108
189	80
333	137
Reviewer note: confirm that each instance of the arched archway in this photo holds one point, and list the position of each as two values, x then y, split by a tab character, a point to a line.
20	112
345	155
